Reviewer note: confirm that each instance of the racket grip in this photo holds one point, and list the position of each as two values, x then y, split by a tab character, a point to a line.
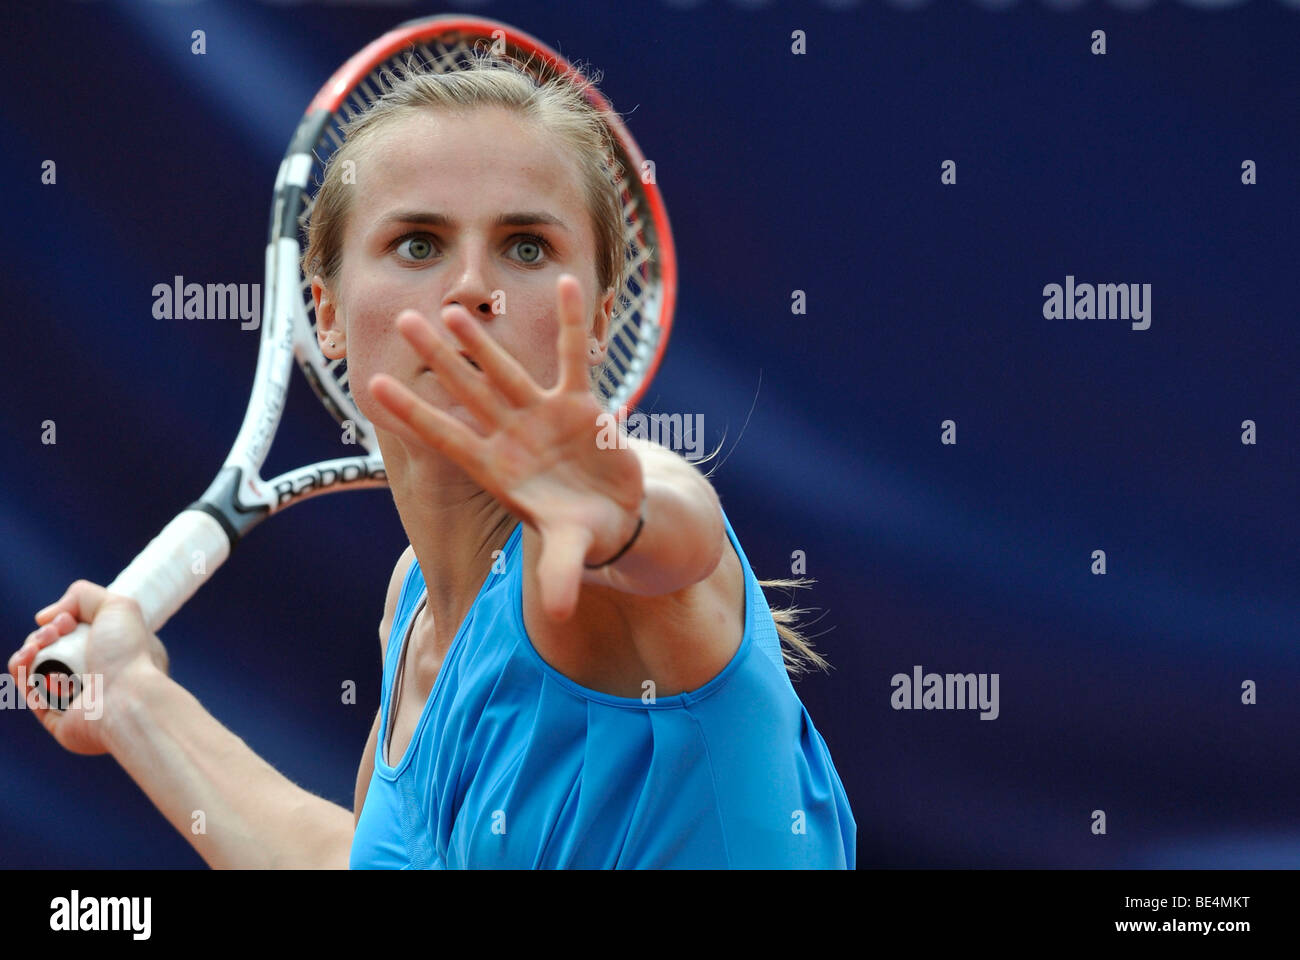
160	579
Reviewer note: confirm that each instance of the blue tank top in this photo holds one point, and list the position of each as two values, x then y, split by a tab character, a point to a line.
514	765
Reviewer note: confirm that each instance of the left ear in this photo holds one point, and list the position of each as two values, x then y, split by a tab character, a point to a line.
598	338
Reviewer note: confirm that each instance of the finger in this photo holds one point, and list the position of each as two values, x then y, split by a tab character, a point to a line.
46	635
560	570
573	334
504	370
462	381
20	667
22	658
81	600
38	640
419	423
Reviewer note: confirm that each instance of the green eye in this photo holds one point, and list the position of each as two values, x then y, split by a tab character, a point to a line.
532	248
419	248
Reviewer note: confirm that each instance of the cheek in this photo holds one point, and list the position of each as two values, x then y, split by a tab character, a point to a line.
542	347
374	346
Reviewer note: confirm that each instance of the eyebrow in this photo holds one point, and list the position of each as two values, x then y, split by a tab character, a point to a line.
429	218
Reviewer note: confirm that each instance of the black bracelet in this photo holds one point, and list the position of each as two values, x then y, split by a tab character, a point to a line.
628	546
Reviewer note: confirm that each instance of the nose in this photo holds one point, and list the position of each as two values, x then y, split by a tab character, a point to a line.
471	289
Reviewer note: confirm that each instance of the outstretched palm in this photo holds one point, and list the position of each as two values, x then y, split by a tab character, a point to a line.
538	454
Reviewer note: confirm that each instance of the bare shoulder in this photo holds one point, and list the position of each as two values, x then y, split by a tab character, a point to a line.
394	592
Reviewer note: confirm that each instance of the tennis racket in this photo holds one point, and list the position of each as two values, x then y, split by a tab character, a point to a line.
163	575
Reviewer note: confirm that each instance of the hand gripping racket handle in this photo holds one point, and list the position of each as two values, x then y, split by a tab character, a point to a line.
161	578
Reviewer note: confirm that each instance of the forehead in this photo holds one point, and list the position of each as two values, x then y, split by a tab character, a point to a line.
473	164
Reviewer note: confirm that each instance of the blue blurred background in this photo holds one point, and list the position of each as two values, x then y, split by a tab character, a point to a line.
820	173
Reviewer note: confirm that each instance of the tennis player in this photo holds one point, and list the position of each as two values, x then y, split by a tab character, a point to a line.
580	669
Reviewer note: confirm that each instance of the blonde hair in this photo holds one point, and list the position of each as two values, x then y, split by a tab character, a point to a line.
556	102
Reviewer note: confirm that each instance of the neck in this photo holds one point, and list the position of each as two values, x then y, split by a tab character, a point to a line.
453	524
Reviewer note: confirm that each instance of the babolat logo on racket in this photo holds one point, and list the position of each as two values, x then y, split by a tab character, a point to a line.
318	478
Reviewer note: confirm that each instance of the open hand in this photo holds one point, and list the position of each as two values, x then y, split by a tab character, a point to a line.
537	453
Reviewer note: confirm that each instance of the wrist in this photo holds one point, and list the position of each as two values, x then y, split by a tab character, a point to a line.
129	700
627	544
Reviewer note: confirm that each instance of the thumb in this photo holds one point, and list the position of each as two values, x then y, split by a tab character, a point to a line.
560	569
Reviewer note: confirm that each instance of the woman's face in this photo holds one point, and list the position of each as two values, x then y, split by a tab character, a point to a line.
482	210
